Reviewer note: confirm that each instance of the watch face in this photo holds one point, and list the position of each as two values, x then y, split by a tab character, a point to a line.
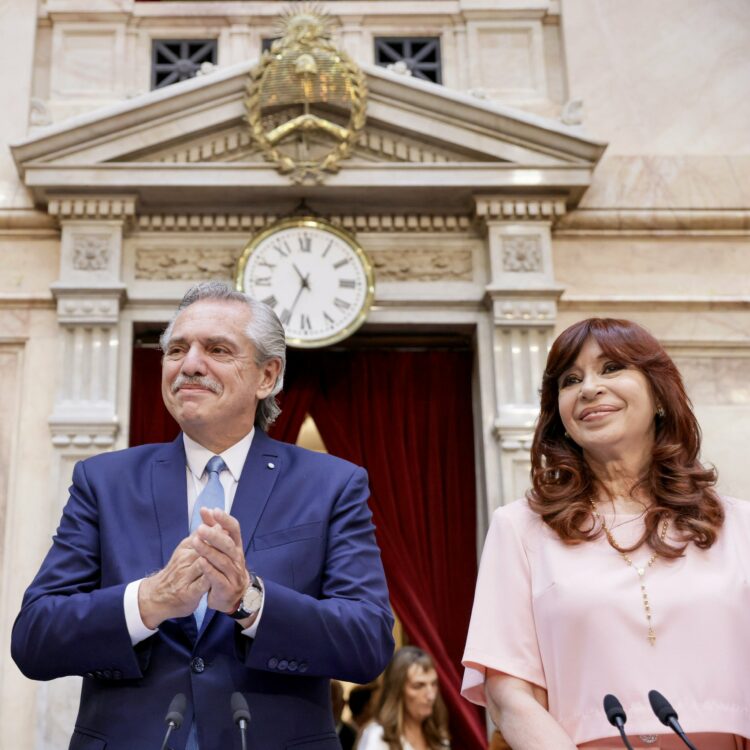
315	276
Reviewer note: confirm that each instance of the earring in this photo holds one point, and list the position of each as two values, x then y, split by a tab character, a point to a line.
660	412
566	435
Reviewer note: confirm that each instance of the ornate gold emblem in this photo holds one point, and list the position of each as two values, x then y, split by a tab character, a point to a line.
306	99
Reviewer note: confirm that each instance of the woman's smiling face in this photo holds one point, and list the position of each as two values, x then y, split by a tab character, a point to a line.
607	407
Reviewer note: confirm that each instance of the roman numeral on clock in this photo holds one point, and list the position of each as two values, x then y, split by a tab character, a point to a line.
271	301
342	262
341	304
304	322
305	243
282	248
347	283
285	316
262	281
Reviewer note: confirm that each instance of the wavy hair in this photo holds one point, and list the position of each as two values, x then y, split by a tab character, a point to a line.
680	487
264	331
390	714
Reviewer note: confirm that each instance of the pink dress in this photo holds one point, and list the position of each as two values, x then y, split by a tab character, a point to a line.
570	619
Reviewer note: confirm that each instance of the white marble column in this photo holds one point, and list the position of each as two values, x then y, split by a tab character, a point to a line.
84	421
522	296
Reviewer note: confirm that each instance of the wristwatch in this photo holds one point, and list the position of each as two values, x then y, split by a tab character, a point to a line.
251	601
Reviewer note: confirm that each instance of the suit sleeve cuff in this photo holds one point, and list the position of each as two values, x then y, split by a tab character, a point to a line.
136	629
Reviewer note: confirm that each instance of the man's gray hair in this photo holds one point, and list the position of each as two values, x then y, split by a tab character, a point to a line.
264	330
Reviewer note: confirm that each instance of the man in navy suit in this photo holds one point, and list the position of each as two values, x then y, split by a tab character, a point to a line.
277	588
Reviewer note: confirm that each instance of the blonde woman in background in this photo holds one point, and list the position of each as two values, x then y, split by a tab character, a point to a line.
411	714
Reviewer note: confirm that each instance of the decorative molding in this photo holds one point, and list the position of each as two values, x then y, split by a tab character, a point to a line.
91	252
522	254
114	207
71	434
525	311
360	223
39	113
236	145
653	221
84	305
422	265
185	263
180	263
513	209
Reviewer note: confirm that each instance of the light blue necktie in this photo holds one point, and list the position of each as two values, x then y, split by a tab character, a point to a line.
212	496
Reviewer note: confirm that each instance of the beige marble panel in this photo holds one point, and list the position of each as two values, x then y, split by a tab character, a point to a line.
722	381
666	77
653	267
670	182
28	265
508	61
86	61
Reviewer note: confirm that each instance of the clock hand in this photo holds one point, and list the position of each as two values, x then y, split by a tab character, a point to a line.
304	279
302	288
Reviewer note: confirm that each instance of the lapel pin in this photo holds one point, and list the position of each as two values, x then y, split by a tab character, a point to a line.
271	465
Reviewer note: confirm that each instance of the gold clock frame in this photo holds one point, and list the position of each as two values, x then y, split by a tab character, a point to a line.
311	222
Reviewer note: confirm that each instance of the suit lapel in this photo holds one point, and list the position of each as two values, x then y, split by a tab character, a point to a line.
169	486
259	474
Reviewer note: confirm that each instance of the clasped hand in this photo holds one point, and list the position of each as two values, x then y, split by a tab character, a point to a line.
211	560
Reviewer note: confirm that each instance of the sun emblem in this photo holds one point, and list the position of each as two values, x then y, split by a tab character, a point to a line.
306	99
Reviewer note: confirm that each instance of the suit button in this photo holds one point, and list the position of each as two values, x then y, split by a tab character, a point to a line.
107	674
197	665
283	664
272	662
97	674
89	674
293	666
117	674
303	666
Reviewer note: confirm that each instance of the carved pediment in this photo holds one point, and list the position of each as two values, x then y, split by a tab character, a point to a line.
375	144
423	146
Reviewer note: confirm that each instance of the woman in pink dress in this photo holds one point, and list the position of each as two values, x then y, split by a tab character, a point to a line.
622	571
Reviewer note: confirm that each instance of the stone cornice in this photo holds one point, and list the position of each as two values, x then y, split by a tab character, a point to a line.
510	208
84	207
641	221
358	223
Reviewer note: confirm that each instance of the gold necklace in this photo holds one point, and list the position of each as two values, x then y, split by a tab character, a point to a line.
640	571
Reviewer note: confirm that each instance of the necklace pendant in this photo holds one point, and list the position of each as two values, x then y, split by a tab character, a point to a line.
651	637
641	572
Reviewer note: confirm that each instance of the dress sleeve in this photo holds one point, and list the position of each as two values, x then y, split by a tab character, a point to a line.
502	632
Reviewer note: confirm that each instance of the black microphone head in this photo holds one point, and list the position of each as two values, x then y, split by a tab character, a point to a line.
614	710
176	711
240	709
661	707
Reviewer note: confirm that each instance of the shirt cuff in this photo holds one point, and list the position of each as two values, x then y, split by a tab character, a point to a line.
253	629
137	630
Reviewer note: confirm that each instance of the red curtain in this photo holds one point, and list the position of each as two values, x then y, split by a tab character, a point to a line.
407	417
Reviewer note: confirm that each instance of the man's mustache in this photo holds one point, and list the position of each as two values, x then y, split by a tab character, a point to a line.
202	381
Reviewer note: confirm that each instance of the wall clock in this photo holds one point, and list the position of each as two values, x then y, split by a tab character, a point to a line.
314	275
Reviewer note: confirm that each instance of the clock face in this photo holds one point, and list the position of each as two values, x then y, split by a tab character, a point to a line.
315	276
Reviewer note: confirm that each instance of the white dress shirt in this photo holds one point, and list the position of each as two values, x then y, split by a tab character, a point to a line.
196	479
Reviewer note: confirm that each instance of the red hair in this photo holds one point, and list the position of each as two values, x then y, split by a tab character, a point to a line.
680	487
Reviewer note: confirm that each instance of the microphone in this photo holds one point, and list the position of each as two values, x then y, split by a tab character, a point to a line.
174	717
616	716
240	716
667	715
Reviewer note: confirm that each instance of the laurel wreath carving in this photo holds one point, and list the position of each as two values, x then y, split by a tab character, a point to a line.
307	171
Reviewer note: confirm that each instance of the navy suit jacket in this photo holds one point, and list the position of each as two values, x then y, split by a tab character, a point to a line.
307	533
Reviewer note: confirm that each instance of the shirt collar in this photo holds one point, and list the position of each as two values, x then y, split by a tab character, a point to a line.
234	457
